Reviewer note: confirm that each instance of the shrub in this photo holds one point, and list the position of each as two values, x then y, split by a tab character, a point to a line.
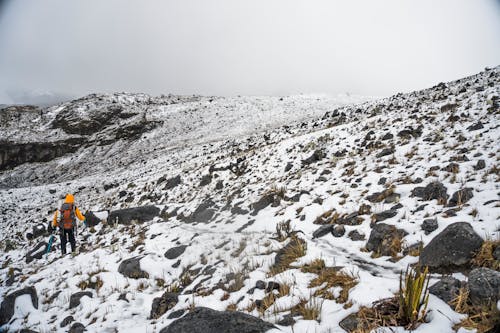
413	295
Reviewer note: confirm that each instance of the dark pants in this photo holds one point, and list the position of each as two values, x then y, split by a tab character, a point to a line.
65	234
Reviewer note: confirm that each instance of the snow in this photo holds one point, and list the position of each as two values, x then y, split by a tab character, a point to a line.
201	132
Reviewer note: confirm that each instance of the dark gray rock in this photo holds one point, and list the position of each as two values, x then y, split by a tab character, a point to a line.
355	235
452	168
433	191
205	320
316	156
8	303
429	225
484	286
260	285
205	180
77	328
496	253
66	321
480	165
446	289
386	152
219	185
351	219
74	300
452	249
323	230
176	314
37	252
132	268
349	323
266	200
130	215
203	213
272	285
287	320
91	220
475	127
238	210
173	182
175	252
381	238
461	196
38	230
338	231
288	167
162	304
382	216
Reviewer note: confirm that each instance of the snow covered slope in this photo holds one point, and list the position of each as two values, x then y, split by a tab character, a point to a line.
225	174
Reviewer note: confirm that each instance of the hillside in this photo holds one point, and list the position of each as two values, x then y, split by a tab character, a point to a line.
300	211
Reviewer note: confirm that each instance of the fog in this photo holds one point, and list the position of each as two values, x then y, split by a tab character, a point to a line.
233	47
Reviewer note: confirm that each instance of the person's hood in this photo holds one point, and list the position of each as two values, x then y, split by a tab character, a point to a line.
69	198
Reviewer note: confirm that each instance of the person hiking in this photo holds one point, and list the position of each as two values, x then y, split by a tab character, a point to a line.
67	222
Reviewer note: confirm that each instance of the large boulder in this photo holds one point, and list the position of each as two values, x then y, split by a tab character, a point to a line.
205	320
484	286
130	215
446	289
37	252
7	306
433	191
74	299
382	238
452	249
162	304
132	268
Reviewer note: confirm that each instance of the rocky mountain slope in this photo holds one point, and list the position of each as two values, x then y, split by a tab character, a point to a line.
293	214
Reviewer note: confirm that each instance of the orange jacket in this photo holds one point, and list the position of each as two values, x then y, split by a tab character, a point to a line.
69	199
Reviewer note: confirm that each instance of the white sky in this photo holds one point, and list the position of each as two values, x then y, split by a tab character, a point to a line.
252	47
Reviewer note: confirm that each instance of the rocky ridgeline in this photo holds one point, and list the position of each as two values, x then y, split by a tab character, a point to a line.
205	236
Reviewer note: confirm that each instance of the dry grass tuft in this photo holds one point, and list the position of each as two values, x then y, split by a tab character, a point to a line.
315	266
330	277
295	249
484	257
310	310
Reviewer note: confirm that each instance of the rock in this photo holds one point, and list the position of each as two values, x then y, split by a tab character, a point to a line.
387	136
8	303
387	214
338	231
382	237
272	285
452	168
38	230
433	191
452	249
123	297
260	285
323	230
203	213
238	210
461	196
173	182
219	185
355	235
132	268
205	320
266	200
446	289
77	328
350	219
175	252
382	181
496	253
205	180
484	286
162	304
379	196
74	300
316	156
91	220
349	323
66	321
385	152
128	216
429	225
288	167
37	252
475	127
480	165
287	320
394	197
364	209
176	314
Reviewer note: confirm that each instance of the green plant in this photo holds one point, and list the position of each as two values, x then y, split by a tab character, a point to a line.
413	295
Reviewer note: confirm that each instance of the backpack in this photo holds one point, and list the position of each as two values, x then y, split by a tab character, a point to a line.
67	218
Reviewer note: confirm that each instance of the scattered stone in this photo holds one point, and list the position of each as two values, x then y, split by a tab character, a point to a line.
452	168
8	303
266	200
350	219
219	185
355	235
288	167
205	320
173	182
338	231
496	253
66	321
382	216
452	249
91	220
203	213
74	300
461	196
162	304
37	252
205	180
77	328
480	165
272	285
382	181
446	289
287	320
433	191
475	127
175	252
387	136
132	268
429	225
394	197
364	209
382	237
484	286
123	297
260	285
38	230
349	323
316	156
385	152
323	230
129	216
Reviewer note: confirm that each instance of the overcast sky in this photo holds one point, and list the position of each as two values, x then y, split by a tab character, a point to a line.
252	47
